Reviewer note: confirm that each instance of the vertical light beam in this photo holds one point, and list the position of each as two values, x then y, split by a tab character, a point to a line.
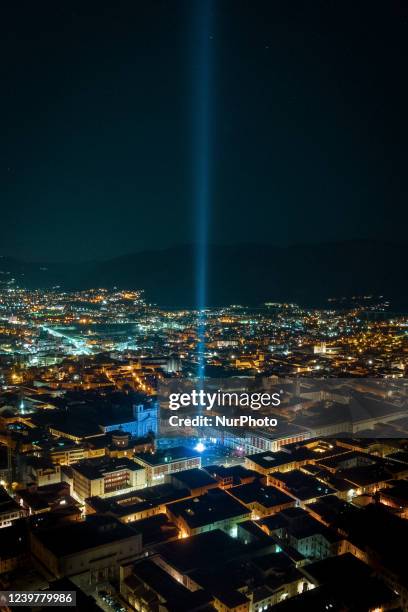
203	66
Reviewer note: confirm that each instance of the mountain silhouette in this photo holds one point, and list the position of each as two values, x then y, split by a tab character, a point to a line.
248	274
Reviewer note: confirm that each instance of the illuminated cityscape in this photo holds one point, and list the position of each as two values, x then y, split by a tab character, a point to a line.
104	497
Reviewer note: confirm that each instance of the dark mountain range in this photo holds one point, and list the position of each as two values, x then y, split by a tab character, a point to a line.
241	274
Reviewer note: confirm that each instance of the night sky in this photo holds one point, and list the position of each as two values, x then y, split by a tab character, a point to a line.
308	124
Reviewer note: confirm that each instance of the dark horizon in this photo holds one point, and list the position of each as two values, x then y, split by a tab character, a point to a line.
212	245
237	274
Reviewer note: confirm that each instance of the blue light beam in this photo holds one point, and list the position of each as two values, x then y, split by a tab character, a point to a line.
202	195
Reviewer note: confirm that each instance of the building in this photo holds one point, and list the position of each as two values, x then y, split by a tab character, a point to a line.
296	528
261	500
65	452
162	463
182	558
342	583
10	511
144	420
121	444
214	510
396	496
146	586
232	475
40	471
378	537
257	440
91	550
284	460
293	456
304	488
53	498
197	481
136	505
106	477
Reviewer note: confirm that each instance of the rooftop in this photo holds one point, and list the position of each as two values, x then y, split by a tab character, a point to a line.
267	496
126	504
329	508
194	478
155	529
171	455
76	537
236	473
302	486
269	459
98	468
216	505
159	581
197	551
